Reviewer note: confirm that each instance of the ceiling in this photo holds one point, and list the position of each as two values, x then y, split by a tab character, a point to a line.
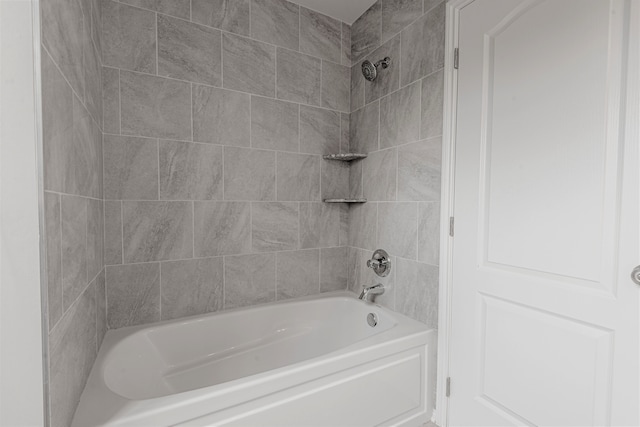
344	10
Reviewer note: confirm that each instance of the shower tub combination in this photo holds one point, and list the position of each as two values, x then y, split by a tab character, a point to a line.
331	360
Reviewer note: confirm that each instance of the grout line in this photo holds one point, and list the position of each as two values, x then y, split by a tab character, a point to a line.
230	89
220	256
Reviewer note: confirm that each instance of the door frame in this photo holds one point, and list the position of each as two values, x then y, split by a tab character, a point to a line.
453	8
631	130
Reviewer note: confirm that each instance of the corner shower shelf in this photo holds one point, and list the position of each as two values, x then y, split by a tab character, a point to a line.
345	200
344	157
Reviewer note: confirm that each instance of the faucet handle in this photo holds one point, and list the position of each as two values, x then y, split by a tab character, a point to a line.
380	263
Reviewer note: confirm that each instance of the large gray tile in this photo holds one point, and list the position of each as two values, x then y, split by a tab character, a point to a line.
74	248
320	35
343	238
333	269
62	36
248	65
274	226
222	228
357	87
429	232
400	116
379	172
276	22
430	4
191	287
362	225
419	170
432	105
72	144
298	77
179	8
96	25
335	180
101	308
249	280
72	351
298	177
274	124
133	294
423	46
355	180
388	80
221	116
345	120
131	168
53	230
84	157
397	14
189	51
335	86
364	128
190	171
319	225
95	237
397	229
249	174
345	56
228	15
354	269
417	294
298	273
57	124
112	232
129	37
157	231
93	80
111	100
319	130
155	106
366	32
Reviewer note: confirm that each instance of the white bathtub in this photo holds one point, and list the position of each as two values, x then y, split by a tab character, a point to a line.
306	362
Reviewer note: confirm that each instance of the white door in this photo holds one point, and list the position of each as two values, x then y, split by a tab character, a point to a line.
545	317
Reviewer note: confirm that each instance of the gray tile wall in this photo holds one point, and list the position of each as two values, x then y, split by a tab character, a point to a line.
216	116
72	103
397	119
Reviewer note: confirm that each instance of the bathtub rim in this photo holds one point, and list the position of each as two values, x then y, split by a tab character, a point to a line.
97	396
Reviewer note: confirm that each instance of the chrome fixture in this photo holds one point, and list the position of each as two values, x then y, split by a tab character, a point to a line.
635	275
371	290
380	263
372	319
370	70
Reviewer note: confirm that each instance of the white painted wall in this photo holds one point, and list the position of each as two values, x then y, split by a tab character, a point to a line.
21	354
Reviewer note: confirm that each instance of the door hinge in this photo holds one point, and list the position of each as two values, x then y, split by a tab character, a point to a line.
448	386
451	226
455	58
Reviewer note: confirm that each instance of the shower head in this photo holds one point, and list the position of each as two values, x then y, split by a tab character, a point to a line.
370	70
